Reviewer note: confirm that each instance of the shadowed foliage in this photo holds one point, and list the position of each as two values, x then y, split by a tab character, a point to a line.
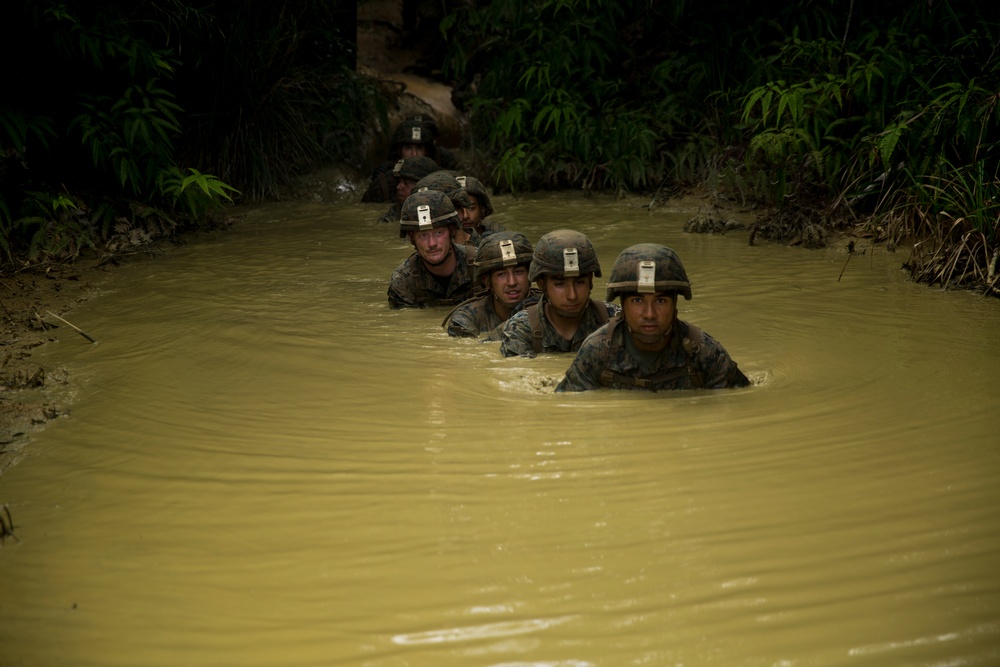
122	121
828	112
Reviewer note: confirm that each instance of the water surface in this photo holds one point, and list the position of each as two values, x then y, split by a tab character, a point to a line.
264	465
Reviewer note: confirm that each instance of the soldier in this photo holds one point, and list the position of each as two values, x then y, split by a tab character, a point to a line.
482	208
444	181
439	273
414	136
564	265
647	346
502	263
407	173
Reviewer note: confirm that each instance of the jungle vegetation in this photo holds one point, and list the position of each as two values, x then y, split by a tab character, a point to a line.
121	119
828	112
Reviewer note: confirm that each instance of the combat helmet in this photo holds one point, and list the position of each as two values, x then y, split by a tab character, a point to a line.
426	209
415	168
414	130
500	250
443	181
476	188
648	268
563	252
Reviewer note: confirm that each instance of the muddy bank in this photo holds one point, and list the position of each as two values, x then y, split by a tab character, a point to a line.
31	302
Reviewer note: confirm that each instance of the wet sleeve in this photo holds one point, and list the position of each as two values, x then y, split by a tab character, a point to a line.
462	325
584	373
495	334
718	368
399	293
390	217
516	337
381	188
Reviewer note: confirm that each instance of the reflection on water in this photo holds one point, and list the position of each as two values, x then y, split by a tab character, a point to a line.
266	466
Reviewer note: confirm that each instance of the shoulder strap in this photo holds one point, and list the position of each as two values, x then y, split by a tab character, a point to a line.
602	311
470	253
692	345
607	375
536	327
387	189
419	292
480	303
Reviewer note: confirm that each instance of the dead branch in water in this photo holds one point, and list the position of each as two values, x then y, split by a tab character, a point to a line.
73	326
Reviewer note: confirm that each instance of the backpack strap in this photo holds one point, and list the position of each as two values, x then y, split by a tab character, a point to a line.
602	311
536	327
479	300
388	183
692	345
419	292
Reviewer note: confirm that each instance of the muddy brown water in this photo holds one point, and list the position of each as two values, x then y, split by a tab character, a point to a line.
264	465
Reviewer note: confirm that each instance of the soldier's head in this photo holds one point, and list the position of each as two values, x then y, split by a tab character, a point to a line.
503	261
482	206
444	181
414	136
408	172
429	220
564	264
648	277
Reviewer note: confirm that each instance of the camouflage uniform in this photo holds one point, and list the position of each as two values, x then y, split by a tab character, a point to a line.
476	189
414	168
392	215
477	316
517	335
607	359
560	253
416	129
691	359
487	227
442	181
413	286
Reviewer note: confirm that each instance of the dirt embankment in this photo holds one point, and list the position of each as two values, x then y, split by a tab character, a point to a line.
31	303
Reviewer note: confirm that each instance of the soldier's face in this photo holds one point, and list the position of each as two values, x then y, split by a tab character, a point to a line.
649	318
433	245
413	150
568	296
510	284
404	188
473	214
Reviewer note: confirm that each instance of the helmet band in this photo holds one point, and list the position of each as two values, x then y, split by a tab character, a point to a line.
416	135
461	180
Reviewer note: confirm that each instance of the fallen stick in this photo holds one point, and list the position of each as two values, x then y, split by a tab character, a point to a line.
73	326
